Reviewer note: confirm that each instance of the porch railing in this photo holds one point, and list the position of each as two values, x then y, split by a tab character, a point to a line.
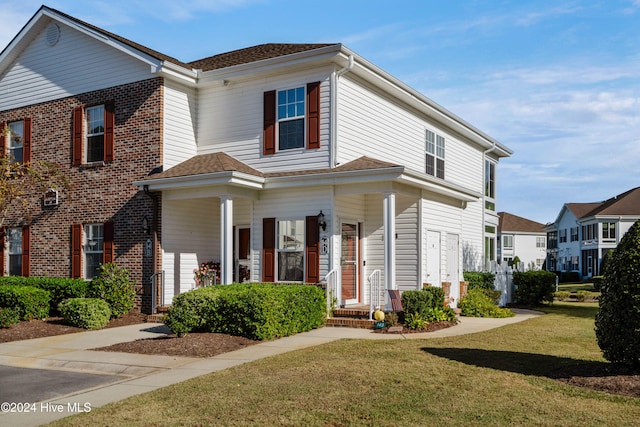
157	291
332	280
375	296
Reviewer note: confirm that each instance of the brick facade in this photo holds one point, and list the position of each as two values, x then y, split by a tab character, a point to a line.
100	192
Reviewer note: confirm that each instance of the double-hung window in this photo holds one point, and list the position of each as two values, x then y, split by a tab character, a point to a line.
14	240
291	113
489	185
291	248
608	230
94	143
93	249
93	133
15	146
434	154
507	242
540	242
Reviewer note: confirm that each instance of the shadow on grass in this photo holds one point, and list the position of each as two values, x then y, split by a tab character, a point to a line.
571	309
525	363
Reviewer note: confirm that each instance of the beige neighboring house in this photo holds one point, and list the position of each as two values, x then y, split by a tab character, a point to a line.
523	238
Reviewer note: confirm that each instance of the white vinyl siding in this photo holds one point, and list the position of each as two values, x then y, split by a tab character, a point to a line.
179	124
407	249
373	125
76	64
231	120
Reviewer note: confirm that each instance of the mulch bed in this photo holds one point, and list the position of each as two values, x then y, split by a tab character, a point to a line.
604	377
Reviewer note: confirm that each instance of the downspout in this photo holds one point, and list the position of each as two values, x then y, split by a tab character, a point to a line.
335	76
484	180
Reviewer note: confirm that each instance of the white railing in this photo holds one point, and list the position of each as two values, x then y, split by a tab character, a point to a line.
375	296
332	280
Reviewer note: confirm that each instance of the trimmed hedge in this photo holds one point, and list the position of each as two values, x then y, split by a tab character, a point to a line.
534	287
422	302
258	311
480	280
477	303
9	316
87	313
59	289
31	303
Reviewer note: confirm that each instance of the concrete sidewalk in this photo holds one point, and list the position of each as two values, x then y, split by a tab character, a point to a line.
122	375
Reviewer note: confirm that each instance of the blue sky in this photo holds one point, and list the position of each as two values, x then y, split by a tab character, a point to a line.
556	81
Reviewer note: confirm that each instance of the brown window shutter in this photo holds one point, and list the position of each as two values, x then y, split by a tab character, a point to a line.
76	251
108	250
3	139
26	145
268	249
3	244
78	125
109	124
26	243
313	115
269	127
312	255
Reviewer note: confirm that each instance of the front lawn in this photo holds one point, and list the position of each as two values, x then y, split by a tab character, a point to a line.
499	377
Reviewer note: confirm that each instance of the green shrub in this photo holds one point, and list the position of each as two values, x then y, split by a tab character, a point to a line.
422	301
597	280
59	288
441	314
31	303
618	319
569	277
9	316
257	311
562	295
586	296
391	318
415	321
87	313
534	287
480	280
478	304
114	286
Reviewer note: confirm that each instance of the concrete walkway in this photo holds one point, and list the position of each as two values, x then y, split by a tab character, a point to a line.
101	377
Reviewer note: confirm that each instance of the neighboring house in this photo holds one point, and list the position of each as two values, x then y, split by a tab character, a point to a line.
282	162
523	238
583	233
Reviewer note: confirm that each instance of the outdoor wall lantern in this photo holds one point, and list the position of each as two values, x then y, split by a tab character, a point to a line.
145	225
321	221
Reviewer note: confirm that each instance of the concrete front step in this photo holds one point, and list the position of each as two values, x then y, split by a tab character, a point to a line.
346	322
155	318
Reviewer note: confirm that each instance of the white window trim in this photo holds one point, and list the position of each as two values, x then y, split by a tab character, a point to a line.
88	135
279	250
287	119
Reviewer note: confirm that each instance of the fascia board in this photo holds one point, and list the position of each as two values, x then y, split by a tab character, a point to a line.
269	65
11	50
218	178
334	178
441	187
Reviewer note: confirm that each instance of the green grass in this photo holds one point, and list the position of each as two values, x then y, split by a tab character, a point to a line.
498	377
574	287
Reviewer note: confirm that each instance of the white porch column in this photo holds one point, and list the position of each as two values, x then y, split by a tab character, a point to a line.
226	240
389	224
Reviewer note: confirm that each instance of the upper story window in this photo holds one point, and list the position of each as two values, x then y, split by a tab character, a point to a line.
590	232
489	184
540	242
507	242
291	119
94	143
608	230
15	147
291	250
93	129
434	154
552	239
291	112
574	234
562	235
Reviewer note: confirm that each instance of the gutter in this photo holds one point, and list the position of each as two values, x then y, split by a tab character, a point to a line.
335	76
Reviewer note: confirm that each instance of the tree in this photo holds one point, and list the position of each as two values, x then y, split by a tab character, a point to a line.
22	185
618	320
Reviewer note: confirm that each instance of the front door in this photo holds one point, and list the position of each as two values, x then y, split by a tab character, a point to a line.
242	255
349	263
